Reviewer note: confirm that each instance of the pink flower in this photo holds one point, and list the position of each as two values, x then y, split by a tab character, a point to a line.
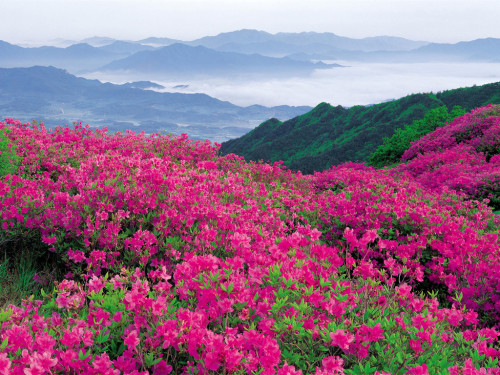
96	284
351	237
40	363
131	340
455	317
244	315
381	300
425	336
341	339
371	334
370	236
333	364
161	368
471	317
5	364
212	361
49	240
103	365
288	370
118	316
400	322
416	346
418	370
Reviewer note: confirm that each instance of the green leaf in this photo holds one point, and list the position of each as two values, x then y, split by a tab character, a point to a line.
82	356
341	298
368	369
4	344
5	315
399	357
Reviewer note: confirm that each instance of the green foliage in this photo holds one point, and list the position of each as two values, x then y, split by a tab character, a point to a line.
8	157
392	149
491	190
108	302
20	269
26	264
329	135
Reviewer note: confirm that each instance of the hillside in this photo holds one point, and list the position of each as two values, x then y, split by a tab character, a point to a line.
157	256
463	155
330	135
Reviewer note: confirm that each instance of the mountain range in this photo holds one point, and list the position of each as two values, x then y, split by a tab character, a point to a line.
282	44
329	135
183	61
76	57
479	50
329	46
240	53
56	97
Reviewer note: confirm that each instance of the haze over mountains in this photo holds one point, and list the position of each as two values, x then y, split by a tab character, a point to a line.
275	53
74	58
56	97
183	61
479	50
283	44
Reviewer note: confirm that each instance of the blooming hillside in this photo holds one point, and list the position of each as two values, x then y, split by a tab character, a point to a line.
464	155
174	260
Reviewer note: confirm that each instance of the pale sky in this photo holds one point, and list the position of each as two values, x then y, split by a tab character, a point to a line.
430	20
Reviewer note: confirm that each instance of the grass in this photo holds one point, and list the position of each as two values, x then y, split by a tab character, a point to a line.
18	268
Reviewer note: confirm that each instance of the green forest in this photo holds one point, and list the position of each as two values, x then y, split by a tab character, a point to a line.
329	135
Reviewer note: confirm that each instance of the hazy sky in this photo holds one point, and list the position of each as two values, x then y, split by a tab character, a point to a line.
432	20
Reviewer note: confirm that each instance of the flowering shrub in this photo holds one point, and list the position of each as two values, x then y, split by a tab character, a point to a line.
178	261
463	155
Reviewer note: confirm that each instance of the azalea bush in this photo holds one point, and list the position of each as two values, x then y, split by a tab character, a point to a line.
464	156
169	259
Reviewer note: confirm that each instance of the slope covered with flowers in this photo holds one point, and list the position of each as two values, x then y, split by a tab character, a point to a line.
464	155
179	261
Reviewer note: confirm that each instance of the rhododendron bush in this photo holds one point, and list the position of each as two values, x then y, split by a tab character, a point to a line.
178	261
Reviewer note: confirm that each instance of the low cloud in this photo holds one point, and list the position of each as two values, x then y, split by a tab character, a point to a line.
356	84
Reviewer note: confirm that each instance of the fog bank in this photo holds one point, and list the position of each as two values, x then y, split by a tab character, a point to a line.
355	84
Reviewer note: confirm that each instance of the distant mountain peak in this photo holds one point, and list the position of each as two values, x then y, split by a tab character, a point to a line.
181	60
158	41
98	41
80	46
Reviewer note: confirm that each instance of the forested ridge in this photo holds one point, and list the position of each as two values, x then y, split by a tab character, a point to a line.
329	135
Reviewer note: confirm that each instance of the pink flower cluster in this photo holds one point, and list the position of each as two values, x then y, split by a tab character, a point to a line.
464	156
184	262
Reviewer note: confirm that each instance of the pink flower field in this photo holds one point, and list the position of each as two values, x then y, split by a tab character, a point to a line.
169	259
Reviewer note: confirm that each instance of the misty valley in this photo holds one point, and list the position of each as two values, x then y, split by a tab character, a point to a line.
221	87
